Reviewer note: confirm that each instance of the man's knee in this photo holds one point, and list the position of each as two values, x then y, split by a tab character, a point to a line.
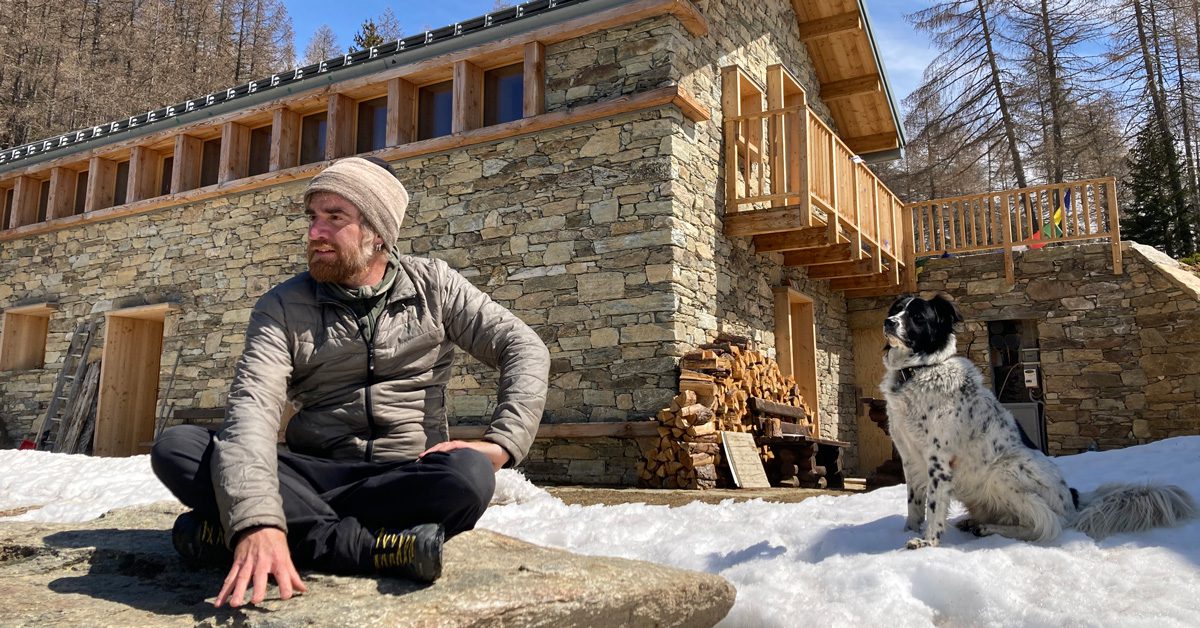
475	473
178	451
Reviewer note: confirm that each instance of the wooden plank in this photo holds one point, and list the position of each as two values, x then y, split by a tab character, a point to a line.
402	112
856	268
745	465
776	140
101	185
763	221
144	164
834	208
851	87
783	331
285	139
731	105
340	129
185	170
797	238
534	97
804	354
62	193
872	143
855	283
25	202
235	152
691	108
467	97
829	254
627	429
832	25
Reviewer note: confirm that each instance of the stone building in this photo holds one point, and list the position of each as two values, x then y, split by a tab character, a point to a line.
630	177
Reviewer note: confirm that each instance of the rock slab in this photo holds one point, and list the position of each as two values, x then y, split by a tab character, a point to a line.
120	570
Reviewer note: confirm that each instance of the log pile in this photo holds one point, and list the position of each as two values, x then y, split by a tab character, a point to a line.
724	385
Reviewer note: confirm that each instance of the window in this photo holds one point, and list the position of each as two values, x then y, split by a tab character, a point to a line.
435	110
43	200
260	150
80	192
210	162
6	214
372	125
503	94
312	137
121	188
168	164
23	340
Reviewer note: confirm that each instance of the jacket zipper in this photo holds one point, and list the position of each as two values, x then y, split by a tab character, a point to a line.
370	343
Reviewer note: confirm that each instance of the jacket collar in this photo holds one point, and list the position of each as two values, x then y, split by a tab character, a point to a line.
402	286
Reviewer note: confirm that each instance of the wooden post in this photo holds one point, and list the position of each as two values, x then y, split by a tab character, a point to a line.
535	79
25	202
731	106
62	193
185	171
875	212
339	130
783	331
1114	224
101	185
909	248
776	141
467	97
1006	234
402	112
285	139
235	152
832	214
856	236
143	173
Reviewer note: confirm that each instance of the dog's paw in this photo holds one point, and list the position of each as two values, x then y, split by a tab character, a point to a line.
967	525
918	543
981	529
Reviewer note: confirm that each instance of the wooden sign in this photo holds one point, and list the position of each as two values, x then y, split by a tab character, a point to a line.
744	461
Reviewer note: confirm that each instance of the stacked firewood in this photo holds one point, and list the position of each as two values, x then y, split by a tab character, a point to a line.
723	386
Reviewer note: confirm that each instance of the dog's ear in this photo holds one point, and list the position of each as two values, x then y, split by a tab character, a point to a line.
946	310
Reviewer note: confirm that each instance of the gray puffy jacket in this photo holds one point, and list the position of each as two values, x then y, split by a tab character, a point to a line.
358	402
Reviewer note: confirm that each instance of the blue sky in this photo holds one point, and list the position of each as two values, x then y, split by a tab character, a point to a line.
905	55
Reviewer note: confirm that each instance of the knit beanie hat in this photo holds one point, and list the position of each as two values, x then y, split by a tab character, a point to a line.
372	188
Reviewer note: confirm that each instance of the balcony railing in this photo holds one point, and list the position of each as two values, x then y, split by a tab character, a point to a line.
795	187
1017	219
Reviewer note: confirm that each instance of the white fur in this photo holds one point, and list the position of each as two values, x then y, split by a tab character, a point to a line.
956	441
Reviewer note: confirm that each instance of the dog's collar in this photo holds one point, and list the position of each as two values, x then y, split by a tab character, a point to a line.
907	373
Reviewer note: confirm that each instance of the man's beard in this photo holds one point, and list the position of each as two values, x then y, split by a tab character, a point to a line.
346	266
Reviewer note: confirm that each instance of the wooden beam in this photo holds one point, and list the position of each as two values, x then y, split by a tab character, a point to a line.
856	268
339	128
101	184
832	25
235	152
25	202
763	221
627	429
873	281
62	193
800	238
535	79
851	87
830	254
285	139
143	174
467	97
185	170
862	293
402	112
872	143
691	108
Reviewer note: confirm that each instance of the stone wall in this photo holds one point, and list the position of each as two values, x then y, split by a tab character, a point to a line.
1120	354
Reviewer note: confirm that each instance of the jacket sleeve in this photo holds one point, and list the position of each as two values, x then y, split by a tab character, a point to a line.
245	460
496	337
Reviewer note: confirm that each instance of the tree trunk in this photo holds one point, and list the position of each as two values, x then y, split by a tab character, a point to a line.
1009	128
1056	101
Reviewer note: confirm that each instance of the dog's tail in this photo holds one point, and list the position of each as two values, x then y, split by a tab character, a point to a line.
1114	508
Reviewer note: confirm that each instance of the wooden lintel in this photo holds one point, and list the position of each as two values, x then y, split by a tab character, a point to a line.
830	254
691	108
763	221
872	143
850	87
802	238
872	281
857	268
831	25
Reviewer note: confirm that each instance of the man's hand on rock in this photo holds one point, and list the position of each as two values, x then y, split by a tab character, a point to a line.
260	552
494	452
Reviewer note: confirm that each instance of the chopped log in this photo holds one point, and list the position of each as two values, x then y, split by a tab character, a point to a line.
764	406
694	376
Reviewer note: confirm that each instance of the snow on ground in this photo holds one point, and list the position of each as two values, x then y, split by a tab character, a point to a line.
827	561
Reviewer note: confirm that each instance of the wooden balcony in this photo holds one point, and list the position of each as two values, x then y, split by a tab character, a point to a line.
1016	219
794	187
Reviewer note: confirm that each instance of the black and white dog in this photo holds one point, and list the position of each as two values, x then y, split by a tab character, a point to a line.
956	441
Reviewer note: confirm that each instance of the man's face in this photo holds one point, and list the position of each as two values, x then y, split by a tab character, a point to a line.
340	246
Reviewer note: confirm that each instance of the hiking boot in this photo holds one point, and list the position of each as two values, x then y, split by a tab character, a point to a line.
200	542
415	553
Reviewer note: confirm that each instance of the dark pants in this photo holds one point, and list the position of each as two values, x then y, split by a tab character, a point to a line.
334	507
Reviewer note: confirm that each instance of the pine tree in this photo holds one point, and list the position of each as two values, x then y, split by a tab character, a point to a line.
1153	215
322	46
367	36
